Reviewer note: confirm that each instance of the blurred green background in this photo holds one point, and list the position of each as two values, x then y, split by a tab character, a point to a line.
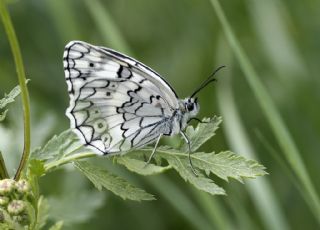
183	41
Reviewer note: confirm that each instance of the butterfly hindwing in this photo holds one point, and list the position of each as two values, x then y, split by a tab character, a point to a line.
115	102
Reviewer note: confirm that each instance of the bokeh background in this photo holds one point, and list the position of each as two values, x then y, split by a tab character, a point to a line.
184	41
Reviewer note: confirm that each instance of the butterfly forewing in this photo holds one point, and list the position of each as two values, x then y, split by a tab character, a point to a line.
116	102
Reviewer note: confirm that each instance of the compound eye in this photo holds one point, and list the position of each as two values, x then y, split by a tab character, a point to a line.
190	106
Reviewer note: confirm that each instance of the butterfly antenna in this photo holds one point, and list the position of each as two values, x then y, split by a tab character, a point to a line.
207	81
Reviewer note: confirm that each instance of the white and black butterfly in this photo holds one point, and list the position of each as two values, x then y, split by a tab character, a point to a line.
118	104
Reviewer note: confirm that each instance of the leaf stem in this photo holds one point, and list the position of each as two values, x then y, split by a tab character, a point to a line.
22	82
51	165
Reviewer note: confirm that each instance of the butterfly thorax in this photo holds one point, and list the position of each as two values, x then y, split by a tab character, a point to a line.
188	108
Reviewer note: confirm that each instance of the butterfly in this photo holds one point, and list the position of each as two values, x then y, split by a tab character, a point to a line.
118	104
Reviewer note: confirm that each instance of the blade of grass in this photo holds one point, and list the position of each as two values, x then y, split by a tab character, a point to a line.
243	218
214	210
268	18
275	154
15	48
179	201
260	190
278	127
106	26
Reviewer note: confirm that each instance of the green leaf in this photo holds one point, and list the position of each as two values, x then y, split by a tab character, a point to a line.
181	165
224	165
36	167
227	164
139	166
58	146
8	98
3	115
102	178
202	133
57	226
42	215
76	207
62	149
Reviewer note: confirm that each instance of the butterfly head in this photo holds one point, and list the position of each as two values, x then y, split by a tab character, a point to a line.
191	106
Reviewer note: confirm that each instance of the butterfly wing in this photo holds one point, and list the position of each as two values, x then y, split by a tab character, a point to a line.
116	102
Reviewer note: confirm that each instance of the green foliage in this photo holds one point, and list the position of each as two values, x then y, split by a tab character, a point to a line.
3	115
8	98
203	132
228	164
66	148
36	167
57	147
181	165
39	221
42	214
119	186
224	165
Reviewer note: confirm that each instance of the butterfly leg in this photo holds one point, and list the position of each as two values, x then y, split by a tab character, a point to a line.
188	142
154	150
197	119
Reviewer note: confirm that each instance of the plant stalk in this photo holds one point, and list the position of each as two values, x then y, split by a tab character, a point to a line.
3	169
12	38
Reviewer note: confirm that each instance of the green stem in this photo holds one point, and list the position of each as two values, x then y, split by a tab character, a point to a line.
68	159
22	82
3	170
273	116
